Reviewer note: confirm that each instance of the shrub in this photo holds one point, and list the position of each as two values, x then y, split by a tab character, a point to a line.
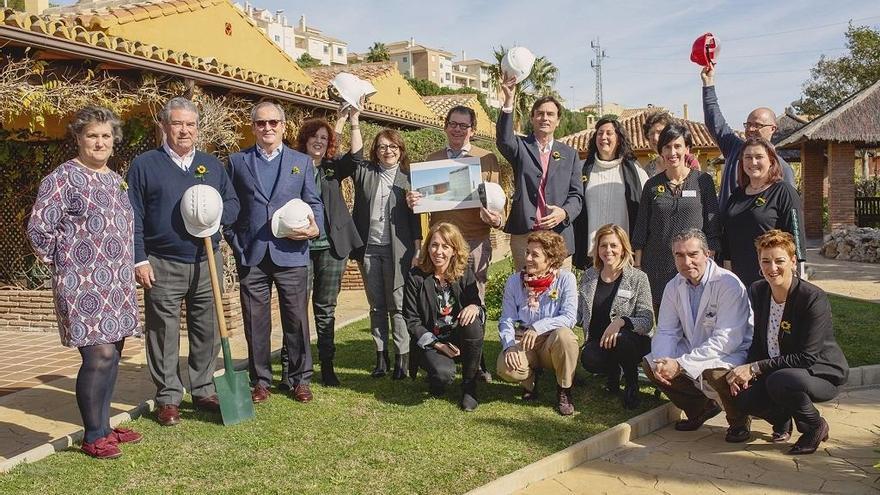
495	288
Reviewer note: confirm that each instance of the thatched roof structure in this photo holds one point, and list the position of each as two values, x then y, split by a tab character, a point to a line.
856	120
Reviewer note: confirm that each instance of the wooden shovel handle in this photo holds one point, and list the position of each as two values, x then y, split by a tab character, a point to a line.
215	285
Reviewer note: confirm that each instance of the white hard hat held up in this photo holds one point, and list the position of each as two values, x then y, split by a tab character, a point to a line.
518	62
348	88
201	208
492	196
293	215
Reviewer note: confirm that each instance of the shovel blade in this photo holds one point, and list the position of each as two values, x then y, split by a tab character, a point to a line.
234	394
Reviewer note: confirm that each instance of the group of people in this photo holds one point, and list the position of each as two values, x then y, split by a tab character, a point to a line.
755	338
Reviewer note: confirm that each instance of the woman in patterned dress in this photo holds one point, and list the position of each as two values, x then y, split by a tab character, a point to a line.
82	227
678	198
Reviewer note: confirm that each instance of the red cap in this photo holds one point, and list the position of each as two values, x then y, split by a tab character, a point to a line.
705	50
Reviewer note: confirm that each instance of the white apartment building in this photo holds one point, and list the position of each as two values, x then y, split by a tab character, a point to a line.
299	39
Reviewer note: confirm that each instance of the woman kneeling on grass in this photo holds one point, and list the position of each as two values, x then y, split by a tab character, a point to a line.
794	360
441	305
537	316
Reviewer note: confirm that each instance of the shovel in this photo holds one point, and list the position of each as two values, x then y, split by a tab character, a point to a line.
232	386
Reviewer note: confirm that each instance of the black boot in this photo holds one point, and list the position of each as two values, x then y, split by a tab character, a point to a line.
631	399
401	364
484	374
468	400
382	364
436	388
328	376
612	383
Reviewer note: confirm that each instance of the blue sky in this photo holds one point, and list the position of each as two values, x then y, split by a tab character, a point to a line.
767	48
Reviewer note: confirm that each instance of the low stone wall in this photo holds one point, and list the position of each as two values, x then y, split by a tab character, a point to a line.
34	311
853	244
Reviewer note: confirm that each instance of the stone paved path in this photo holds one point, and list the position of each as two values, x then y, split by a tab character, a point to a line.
845	278
701	462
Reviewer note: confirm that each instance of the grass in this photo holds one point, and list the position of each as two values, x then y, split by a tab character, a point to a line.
369	436
856	330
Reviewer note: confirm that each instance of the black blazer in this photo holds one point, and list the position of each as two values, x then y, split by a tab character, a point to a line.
420	309
633	187
809	343
338	224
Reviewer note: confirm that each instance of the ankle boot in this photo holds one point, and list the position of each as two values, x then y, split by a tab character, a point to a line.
401	363
328	376
564	404
468	400
612	381
484	375
631	399
381	364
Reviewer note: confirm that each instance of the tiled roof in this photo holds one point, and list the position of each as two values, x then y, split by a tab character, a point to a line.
633	125
321	77
442	103
101	14
74	30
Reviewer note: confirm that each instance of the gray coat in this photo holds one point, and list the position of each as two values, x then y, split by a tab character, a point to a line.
632	301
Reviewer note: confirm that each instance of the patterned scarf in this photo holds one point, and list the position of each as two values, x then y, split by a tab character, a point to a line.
537	285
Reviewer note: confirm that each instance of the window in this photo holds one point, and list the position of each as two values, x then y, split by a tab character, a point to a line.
405	59
326	49
339	51
277	39
448	76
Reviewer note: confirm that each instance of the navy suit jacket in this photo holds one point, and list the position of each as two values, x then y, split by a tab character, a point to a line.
563	188
251	235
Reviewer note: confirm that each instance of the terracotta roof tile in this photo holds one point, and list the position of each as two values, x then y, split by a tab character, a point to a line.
441	104
633	126
321	76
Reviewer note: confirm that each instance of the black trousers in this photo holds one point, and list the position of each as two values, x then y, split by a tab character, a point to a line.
441	368
256	308
784	394
627	354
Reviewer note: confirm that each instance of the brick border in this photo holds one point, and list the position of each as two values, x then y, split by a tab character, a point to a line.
613	438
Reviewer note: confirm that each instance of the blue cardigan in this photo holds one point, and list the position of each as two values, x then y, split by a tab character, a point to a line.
155	186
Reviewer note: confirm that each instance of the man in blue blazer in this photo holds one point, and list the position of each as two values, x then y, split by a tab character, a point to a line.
265	177
548	192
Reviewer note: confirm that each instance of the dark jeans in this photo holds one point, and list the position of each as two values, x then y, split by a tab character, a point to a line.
256	308
627	354
787	393
325	280
441	368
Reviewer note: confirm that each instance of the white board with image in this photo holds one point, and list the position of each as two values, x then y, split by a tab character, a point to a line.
446	184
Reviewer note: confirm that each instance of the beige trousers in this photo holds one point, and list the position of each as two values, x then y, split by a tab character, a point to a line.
518	247
556	350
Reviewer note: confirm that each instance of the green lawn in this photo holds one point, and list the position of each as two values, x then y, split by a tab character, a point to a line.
857	328
370	436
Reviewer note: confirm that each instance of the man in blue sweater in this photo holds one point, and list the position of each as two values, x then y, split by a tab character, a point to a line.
761	122
172	265
267	176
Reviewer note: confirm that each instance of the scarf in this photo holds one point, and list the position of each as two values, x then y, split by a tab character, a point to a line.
536	285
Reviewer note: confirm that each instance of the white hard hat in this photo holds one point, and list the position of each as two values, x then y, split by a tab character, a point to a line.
349	88
293	215
518	62
492	196
201	208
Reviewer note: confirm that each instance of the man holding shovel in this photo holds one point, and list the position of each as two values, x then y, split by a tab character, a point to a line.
171	264
267	177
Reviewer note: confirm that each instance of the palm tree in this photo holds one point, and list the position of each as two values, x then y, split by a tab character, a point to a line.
539	83
378	53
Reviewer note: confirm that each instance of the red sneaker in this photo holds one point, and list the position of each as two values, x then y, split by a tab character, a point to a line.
124	435
102	448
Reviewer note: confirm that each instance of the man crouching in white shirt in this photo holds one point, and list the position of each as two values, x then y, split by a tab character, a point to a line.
704	329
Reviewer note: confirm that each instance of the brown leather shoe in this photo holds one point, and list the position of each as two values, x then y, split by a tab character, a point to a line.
260	394
302	393
809	441
691	424
167	415
210	403
564	404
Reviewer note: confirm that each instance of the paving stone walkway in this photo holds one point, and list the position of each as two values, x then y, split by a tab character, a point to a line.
674	462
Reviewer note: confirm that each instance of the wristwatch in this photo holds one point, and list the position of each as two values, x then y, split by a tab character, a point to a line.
755	369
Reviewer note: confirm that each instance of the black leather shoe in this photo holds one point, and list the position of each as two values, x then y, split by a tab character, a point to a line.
737	434
468	400
809	441
328	375
631	399
712	410
382	364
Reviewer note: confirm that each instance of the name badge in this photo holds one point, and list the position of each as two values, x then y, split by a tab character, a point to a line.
689	194
624	294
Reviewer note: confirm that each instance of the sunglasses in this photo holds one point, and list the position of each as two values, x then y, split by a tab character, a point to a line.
264	123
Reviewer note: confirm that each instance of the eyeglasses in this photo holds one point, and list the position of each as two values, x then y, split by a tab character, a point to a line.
264	123
388	147
458	125
756	126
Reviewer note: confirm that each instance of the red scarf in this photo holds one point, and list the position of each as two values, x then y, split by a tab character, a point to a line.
537	285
